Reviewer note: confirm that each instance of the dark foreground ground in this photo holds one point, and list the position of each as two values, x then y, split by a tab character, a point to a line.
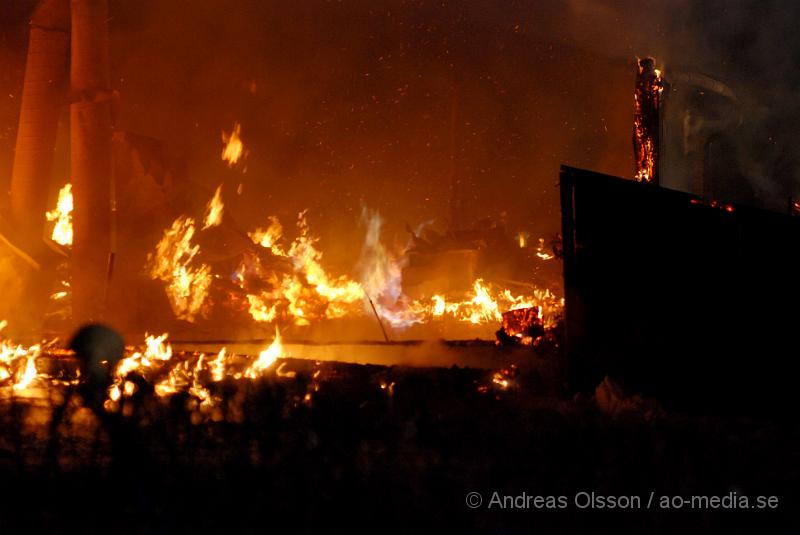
388	450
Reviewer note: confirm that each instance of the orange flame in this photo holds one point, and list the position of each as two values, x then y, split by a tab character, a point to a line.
266	358
234	149
214	210
173	262
269	238
307	293
62	215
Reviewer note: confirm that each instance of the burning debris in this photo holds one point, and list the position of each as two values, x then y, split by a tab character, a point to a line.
647	120
521	326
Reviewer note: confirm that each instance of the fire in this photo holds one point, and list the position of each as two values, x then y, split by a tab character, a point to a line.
646	121
482	307
269	238
157	359
156	348
308	292
266	358
439	305
382	275
486	305
306	261
218	366
173	262
29	373
12	357
234	149
288	284
156	351
214	210
62	215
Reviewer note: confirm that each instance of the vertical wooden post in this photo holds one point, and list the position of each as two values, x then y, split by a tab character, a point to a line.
90	158
43	93
647	121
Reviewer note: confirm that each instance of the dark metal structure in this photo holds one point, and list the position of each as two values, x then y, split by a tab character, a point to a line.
693	302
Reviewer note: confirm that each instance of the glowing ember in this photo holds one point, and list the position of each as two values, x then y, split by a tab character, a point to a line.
62	215
234	149
267	358
541	252
500	380
173	262
214	210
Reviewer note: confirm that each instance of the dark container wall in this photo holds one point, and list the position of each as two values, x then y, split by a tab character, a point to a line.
692	303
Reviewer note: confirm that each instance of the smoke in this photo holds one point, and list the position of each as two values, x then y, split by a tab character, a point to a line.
751	46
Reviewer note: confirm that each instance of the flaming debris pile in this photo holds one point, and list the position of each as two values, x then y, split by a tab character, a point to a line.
647	120
289	283
41	370
282	280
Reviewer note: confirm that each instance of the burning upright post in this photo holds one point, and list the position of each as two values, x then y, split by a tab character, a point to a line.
90	158
43	93
647	120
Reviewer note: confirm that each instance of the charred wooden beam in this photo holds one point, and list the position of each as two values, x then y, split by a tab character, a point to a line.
647	120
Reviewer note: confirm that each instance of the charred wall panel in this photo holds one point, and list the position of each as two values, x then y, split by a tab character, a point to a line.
692	303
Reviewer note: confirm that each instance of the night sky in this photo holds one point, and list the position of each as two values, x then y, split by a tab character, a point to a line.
391	103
